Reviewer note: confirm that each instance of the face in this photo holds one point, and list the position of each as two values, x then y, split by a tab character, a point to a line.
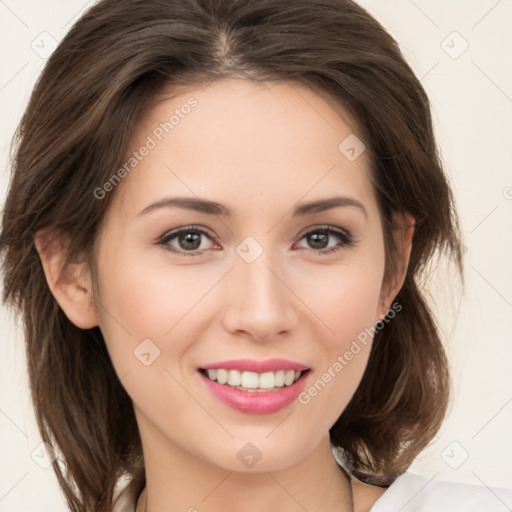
183	290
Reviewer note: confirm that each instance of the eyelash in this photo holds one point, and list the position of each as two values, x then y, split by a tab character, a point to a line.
343	236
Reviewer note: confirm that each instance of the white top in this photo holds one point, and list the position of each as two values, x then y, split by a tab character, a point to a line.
411	492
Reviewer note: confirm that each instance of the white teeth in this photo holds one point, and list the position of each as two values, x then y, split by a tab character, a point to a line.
222	376
267	380
234	378
252	381
289	377
249	380
279	378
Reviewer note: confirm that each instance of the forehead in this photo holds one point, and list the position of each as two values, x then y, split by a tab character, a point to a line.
245	143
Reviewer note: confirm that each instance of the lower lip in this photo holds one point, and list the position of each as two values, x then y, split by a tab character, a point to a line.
256	402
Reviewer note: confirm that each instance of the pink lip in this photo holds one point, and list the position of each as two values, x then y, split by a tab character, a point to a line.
252	365
255	402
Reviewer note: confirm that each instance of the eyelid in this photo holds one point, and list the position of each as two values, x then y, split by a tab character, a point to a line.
191	227
326	227
163	239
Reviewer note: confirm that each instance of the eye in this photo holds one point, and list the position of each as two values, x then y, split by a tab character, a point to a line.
319	239
187	239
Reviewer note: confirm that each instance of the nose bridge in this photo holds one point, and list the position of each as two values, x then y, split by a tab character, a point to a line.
259	302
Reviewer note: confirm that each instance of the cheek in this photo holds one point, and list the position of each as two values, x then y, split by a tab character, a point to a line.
148	322
346	299
142	299
347	306
338	374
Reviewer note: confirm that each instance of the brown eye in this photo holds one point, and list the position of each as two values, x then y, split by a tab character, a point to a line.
318	240
186	241
189	240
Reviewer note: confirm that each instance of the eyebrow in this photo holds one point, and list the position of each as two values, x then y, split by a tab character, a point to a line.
214	208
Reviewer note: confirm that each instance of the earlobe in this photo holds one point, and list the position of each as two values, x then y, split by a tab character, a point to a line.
392	284
69	283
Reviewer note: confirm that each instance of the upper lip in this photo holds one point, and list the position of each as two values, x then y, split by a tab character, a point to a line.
253	365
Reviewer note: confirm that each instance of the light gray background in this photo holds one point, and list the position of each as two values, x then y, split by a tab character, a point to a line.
471	95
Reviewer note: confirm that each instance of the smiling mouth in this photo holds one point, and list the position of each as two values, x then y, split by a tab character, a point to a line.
253	381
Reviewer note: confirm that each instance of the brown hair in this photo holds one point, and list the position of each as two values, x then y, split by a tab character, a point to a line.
74	134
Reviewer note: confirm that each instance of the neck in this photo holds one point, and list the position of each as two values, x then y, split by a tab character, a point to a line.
315	483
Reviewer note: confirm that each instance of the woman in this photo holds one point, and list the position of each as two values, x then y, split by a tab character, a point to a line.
218	219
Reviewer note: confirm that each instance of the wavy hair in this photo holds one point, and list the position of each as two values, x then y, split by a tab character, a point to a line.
74	133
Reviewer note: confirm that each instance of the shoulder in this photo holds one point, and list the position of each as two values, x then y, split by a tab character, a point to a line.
412	492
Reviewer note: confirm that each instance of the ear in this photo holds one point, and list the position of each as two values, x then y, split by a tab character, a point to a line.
393	282
70	284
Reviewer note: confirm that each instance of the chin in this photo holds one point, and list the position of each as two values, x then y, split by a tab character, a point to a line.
260	455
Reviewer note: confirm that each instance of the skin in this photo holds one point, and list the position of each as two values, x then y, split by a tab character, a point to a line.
259	149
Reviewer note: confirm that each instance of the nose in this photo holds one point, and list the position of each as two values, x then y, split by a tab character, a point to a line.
260	301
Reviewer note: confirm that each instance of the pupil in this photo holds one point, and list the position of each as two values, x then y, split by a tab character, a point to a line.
315	236
190	238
